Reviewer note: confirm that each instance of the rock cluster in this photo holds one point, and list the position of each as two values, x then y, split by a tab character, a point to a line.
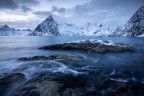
91	46
58	84
51	57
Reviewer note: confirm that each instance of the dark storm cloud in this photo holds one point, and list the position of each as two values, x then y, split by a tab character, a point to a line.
8	4
24	5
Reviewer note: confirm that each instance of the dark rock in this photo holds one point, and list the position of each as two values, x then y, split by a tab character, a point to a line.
59	84
50	84
11	82
91	46
136	88
51	57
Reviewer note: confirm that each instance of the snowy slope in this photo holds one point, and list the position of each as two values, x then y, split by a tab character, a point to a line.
88	29
134	27
91	29
66	29
8	31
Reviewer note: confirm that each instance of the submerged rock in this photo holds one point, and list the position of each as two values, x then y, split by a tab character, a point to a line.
10	83
91	46
51	57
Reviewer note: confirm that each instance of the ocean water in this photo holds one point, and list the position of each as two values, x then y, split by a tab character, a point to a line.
12	48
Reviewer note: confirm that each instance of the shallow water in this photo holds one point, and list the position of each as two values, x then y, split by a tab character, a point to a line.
12	48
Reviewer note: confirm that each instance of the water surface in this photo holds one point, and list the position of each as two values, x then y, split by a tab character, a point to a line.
12	48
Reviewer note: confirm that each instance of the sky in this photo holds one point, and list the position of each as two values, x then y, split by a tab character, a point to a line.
29	13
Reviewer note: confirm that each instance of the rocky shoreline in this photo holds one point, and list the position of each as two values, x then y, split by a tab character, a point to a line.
61	74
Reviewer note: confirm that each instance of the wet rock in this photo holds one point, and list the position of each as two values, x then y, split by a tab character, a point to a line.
91	46
50	84
136	88
11	82
60	84
51	57
111	48
120	88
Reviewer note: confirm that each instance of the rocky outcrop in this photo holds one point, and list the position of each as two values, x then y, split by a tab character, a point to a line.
51	57
49	84
92	81
48	27
10	82
91	46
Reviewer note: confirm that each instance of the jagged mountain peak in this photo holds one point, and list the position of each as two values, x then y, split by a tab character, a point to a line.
134	27
5	25
50	17
138	15
6	28
47	28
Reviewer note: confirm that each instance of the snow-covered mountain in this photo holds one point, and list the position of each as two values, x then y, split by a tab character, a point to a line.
134	27
66	29
88	29
8	31
91	29
48	27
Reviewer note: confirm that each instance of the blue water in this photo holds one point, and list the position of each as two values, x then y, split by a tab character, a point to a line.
12	48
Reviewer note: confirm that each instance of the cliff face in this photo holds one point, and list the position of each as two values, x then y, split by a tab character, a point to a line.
134	27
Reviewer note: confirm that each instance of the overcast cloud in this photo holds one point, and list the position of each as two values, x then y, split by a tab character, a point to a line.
109	12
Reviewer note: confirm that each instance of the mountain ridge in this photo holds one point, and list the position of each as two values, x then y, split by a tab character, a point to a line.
134	27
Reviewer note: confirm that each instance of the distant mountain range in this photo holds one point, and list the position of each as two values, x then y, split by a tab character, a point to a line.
9	31
50	27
